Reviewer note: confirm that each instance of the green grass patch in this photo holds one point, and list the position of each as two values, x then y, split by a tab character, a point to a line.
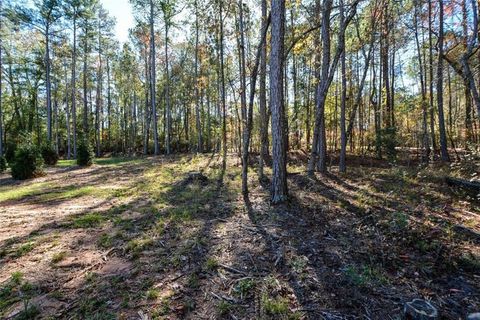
24	249
211	264
90	220
364	276
9	193
274	307
72	192
58	256
66	163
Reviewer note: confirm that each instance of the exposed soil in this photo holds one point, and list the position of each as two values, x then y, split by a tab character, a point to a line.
173	238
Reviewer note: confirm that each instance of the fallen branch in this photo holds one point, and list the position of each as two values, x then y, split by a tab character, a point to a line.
465	184
233	270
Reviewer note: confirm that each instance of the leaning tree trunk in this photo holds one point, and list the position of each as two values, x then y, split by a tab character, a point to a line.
243	99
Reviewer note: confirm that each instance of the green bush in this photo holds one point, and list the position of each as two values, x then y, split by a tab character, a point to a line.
389	142
49	154
3	164
27	163
10	149
85	154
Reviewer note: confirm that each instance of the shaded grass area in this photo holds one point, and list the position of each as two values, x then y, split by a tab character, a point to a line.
170	247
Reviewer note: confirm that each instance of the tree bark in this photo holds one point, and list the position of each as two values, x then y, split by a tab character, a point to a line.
74	62
264	141
441	118
197	107
168	119
343	133
153	82
279	191
222	91
48	82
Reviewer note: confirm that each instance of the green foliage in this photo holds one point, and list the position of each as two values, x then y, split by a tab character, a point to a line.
224	308
152	294
274	306
3	164
364	276
11	147
85	154
245	287
27	163
211	264
389	142
49	154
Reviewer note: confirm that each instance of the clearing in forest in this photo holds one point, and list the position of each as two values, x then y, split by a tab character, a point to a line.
172	238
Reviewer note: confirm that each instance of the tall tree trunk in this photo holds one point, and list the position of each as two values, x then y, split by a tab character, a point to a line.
247	132
263	99
74	107
152	81
222	91
48	83
279	192
441	119
243	97
318	144
1	96
168	119
425	137
85	88
67	111
198	122
430	72
109	106
343	133
99	102
148	110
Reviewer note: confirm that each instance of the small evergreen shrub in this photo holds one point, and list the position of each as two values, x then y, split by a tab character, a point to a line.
49	154
3	164
27	163
85	154
389	142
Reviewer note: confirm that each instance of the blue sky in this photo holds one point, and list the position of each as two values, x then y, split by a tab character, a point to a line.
122	11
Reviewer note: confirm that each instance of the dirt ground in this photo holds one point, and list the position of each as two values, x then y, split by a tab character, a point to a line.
145	239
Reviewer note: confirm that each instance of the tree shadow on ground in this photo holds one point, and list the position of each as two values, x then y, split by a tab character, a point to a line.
348	261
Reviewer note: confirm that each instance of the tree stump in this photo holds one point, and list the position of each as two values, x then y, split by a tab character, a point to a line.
419	309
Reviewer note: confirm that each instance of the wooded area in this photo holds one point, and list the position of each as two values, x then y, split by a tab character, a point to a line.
240	159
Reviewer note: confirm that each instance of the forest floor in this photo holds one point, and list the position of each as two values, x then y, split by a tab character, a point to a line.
140	239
